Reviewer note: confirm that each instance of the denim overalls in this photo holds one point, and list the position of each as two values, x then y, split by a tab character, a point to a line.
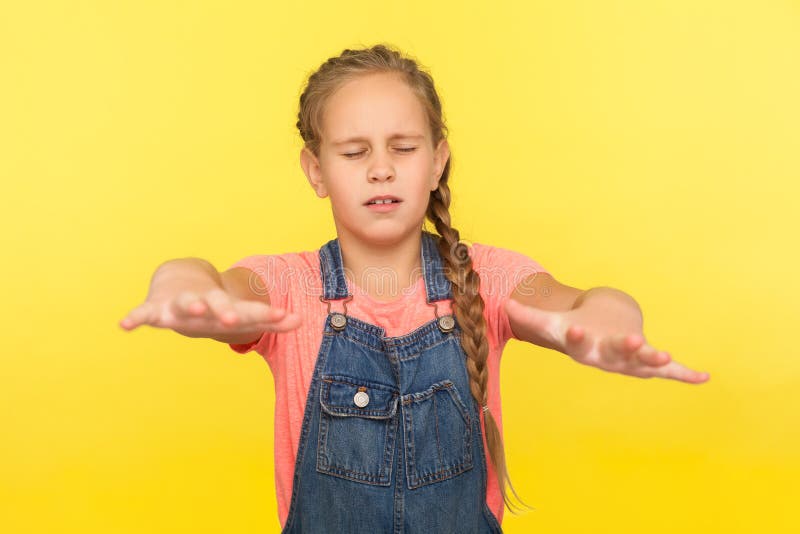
391	439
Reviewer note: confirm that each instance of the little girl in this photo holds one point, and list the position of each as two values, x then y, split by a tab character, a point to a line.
385	342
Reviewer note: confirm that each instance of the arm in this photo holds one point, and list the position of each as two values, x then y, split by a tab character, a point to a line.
189	296
542	291
600	327
238	283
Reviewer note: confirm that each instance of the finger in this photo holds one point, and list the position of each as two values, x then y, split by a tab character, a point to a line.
577	342
221	306
675	371
620	346
626	343
650	356
188	304
144	313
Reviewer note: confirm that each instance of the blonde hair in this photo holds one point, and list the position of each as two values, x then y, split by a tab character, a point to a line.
468	304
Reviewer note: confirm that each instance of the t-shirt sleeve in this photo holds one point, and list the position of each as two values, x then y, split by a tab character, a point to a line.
501	271
266	273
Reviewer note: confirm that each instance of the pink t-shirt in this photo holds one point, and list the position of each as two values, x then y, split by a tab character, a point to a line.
293	281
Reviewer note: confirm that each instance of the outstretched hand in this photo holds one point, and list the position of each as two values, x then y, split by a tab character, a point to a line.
210	313
611	341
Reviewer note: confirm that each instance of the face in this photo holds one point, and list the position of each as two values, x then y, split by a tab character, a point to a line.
376	142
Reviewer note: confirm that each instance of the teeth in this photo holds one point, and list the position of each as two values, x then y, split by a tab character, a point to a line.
386	201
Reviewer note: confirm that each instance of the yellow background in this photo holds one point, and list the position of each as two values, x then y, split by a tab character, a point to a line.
649	146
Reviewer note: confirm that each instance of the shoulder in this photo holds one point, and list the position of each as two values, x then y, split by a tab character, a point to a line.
502	268
281	274
501	271
482	253
266	264
508	273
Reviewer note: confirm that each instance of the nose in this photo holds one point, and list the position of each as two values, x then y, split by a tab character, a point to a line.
380	169
381	176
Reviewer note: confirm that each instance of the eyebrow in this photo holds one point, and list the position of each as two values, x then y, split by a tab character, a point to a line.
409	135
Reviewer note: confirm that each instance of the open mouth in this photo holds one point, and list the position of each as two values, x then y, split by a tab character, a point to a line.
384	204
380	200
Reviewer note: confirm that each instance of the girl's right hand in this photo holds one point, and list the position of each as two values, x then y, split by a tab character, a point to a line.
212	313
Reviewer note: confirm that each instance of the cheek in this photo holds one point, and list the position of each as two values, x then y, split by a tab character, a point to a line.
337	180
424	195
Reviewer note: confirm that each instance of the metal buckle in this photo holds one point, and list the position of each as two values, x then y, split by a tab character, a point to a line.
338	320
446	322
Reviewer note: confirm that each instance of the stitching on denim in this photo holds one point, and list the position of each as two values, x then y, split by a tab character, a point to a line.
381	479
339	379
418	336
438	442
410	450
356	476
462	464
431	328
460	404
427	347
358	412
387	450
442	475
361	326
323	465
359	342
427	393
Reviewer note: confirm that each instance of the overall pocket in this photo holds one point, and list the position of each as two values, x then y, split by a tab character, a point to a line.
357	429
438	434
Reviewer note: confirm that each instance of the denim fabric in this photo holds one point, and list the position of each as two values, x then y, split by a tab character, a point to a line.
391	439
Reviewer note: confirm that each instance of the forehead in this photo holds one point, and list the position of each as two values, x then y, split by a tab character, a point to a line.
373	106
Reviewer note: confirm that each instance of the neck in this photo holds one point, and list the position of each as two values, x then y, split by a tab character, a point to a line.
382	270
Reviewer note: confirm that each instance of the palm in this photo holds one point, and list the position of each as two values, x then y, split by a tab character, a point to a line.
211	313
613	342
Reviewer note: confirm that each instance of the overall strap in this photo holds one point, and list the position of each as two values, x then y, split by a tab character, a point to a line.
437	286
334	284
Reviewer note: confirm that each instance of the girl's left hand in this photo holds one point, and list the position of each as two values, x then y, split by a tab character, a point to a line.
612	340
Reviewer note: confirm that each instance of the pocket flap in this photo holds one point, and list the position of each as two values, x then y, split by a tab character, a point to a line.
337	395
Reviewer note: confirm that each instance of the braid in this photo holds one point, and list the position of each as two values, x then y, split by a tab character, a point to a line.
468	308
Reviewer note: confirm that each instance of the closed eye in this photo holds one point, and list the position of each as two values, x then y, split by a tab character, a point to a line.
404	150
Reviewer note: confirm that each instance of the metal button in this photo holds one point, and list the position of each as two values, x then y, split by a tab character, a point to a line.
361	399
446	323
338	321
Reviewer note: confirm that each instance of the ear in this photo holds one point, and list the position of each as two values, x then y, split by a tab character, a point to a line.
440	157
313	173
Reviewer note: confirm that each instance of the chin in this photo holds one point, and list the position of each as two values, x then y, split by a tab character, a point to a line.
385	235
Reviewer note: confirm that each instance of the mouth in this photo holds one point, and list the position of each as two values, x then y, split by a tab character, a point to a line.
381	200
